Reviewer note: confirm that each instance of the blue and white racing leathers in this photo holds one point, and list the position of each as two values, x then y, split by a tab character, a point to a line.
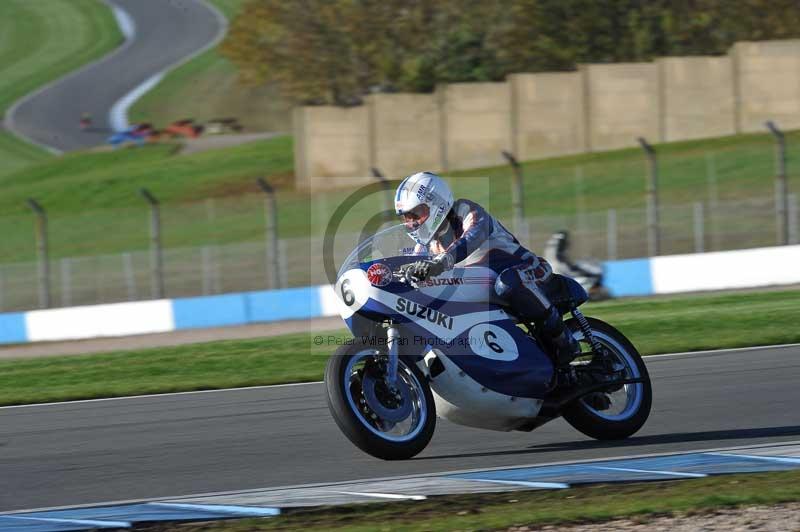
472	237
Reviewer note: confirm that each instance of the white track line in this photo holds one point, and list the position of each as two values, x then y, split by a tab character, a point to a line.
333	485
650	471
720	351
395	496
313	383
118	115
524	483
784	459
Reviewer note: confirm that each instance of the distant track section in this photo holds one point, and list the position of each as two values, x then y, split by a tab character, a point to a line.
160	35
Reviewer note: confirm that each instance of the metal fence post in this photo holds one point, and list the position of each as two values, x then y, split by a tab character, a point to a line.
611	235
699	228
156	251
66	282
793	219
284	247
42	252
781	188
713	199
130	278
653	236
388	200
517	196
271	216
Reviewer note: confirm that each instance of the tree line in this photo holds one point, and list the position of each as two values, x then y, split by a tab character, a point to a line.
336	51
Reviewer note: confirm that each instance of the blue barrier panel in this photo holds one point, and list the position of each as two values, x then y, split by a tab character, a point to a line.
288	304
12	328
628	277
210	311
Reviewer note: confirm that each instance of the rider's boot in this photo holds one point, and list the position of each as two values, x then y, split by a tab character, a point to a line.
566	346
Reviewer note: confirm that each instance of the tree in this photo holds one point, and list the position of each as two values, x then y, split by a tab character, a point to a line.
336	51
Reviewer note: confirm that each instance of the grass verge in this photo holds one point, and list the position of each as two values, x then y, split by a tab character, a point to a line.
41	41
17	154
654	325
535	508
86	191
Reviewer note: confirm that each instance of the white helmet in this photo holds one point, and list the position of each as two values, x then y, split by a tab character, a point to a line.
423	199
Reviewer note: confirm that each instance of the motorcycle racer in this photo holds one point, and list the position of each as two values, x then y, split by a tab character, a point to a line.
462	233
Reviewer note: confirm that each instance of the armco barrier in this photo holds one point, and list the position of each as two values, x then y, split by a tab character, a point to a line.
165	315
637	277
723	270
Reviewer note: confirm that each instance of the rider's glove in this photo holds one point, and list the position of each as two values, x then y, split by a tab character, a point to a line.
441	263
425	269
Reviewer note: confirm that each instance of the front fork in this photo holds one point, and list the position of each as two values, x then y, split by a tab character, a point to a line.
393	343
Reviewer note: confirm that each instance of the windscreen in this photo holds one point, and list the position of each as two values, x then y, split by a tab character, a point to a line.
391	242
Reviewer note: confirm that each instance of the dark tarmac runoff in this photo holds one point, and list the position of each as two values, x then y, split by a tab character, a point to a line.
165	33
183	444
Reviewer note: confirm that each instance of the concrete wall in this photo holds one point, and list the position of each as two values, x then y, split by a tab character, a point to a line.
600	107
406	133
331	142
476	127
621	104
697	97
547	114
768	83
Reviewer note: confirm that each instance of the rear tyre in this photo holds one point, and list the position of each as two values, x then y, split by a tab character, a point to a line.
623	411
358	398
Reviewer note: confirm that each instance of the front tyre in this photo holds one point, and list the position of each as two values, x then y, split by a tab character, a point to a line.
388	422
621	412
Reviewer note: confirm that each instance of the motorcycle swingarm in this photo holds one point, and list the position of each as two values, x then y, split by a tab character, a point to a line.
553	406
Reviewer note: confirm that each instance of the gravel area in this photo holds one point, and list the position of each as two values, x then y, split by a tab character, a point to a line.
780	518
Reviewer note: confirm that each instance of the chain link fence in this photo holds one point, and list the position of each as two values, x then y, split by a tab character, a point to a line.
218	268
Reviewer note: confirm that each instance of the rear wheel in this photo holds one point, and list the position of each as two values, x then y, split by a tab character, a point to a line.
618	412
392	422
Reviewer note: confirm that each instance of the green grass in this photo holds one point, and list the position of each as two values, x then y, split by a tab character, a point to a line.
500	511
94	204
654	325
207	87
16	154
43	40
102	188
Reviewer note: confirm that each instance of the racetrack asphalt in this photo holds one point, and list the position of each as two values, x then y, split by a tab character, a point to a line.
166	32
181	444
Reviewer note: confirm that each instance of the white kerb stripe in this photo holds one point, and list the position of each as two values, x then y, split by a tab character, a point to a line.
119	319
525	483
118	116
126	24
726	270
651	471
783	459
328	302
384	495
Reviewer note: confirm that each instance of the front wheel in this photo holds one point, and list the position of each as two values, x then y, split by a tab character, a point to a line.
618	412
392	422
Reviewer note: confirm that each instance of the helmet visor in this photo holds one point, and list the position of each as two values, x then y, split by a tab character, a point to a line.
415	217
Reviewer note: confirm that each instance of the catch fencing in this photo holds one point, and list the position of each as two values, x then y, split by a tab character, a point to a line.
216	268
730	196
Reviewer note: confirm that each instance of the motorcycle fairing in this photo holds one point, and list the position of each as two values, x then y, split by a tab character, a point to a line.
480	338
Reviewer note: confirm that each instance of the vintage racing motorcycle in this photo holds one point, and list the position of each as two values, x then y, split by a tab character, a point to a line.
447	346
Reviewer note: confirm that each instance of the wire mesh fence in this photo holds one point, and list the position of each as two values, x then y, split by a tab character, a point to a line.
215	267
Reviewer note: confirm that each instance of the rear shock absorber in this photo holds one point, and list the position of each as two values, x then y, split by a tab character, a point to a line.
583	323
